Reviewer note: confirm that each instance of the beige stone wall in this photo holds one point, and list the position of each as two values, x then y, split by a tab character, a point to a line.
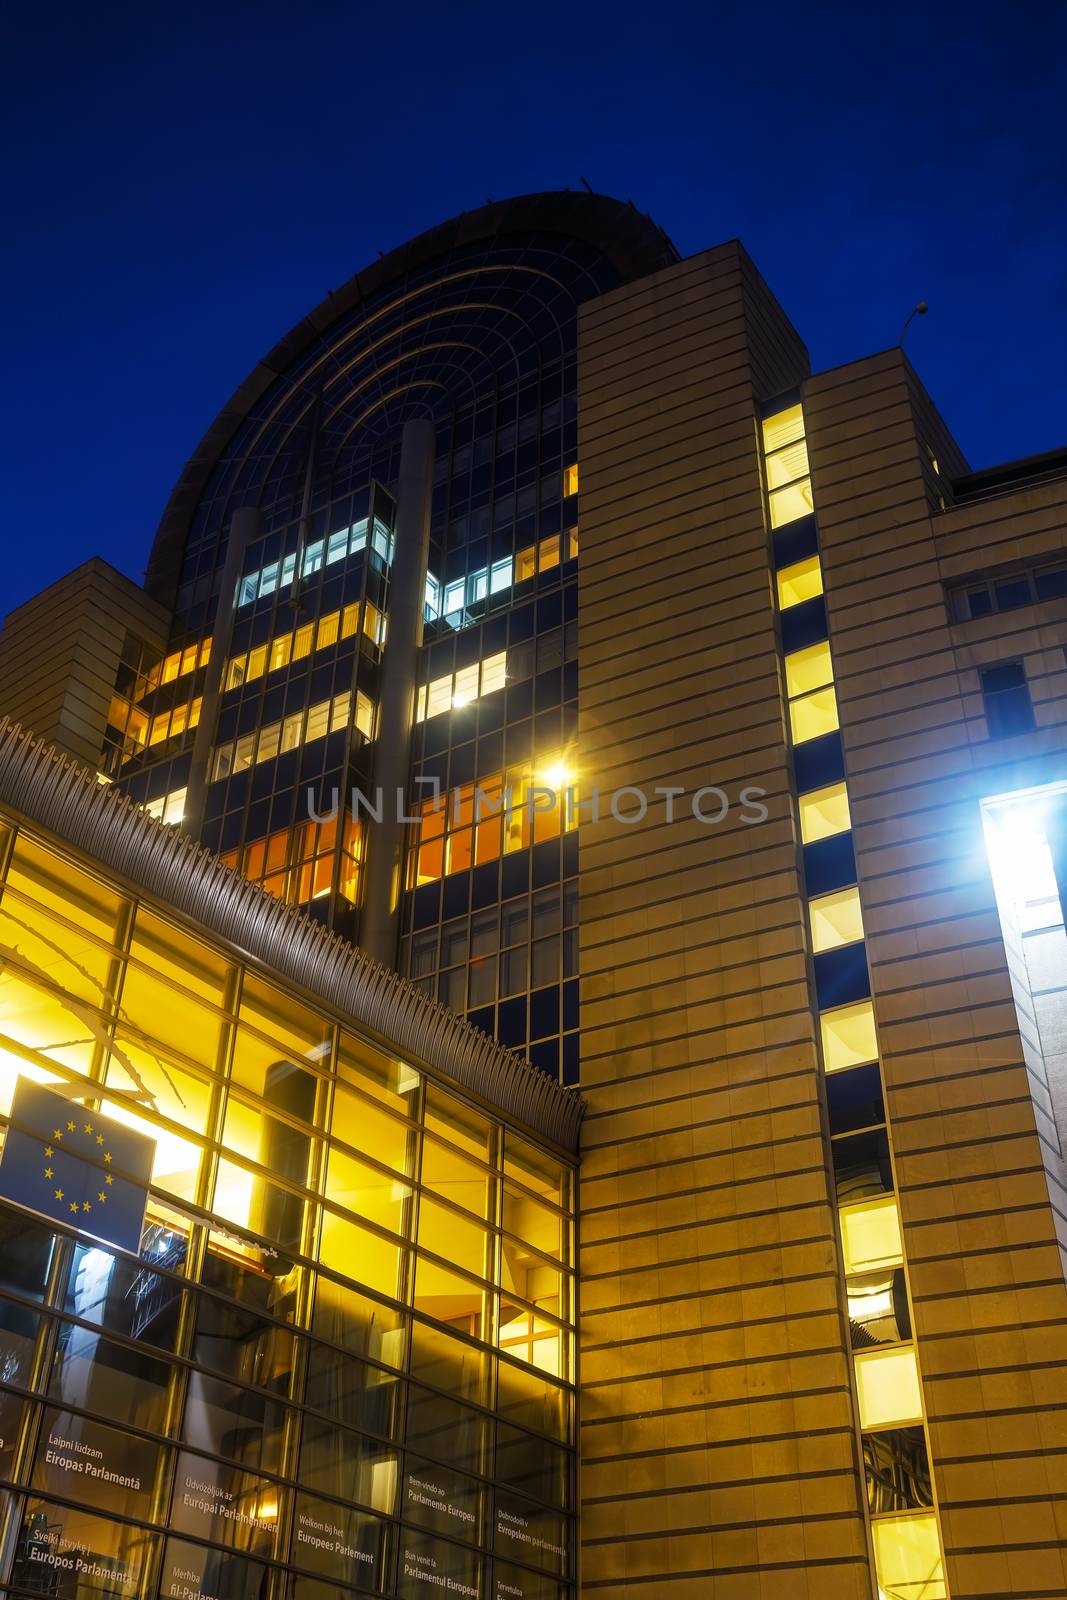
975	1135
719	1455
59	654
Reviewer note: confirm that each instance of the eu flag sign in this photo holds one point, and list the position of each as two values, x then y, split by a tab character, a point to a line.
76	1166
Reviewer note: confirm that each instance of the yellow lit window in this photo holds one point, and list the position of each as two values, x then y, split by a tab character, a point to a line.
257	662
466	686
570	479
350	621
326	633
836	919
374	623
848	1036
824	812
525	563
791	502
340	710
493	671
571	538
802	581
808	669
302	641
451	1298
235	672
786	466
548	553
870	1235
318	721
280	651
364	718
354	1251
785	427
907	1556
813	715
420	704
439	696
888	1385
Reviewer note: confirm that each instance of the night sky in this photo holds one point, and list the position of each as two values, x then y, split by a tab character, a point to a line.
185	184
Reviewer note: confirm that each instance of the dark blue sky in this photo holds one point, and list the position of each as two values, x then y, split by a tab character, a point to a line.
186	183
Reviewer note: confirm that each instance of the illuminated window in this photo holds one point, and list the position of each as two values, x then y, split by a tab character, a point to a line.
493	672
465	688
787	465
813	715
461	688
824	812
791	502
808	669
326	716
548	553
784	428
300	642
809	678
570	480
848	1036
323	552
887	1382
786	457
169	724
169	808
907	1556
178	664
802	581
836	919
870	1235
475	822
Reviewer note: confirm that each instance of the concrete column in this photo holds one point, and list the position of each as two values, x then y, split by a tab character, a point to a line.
392	759
245	526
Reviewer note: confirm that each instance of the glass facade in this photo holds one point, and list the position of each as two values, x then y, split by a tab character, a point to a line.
483	338
342	1362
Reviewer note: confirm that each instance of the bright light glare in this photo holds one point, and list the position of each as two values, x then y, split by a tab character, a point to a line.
558	777
1020	859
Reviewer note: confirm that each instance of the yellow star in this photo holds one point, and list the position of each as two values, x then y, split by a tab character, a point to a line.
88	1127
74	1205
70	1127
107	1157
102	1198
109	1178
48	1172
58	1133
59	1194
48	1150
87	1205
100	1138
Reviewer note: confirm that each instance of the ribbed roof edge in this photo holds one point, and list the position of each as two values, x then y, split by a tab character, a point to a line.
46	788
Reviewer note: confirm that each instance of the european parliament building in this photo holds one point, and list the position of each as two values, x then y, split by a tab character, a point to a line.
534	973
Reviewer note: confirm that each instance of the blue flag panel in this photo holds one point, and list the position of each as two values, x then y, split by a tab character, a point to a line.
76	1166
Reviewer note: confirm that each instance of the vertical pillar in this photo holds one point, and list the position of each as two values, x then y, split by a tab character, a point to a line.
244	527
392	758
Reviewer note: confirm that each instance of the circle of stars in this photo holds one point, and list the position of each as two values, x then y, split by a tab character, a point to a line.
49	1172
